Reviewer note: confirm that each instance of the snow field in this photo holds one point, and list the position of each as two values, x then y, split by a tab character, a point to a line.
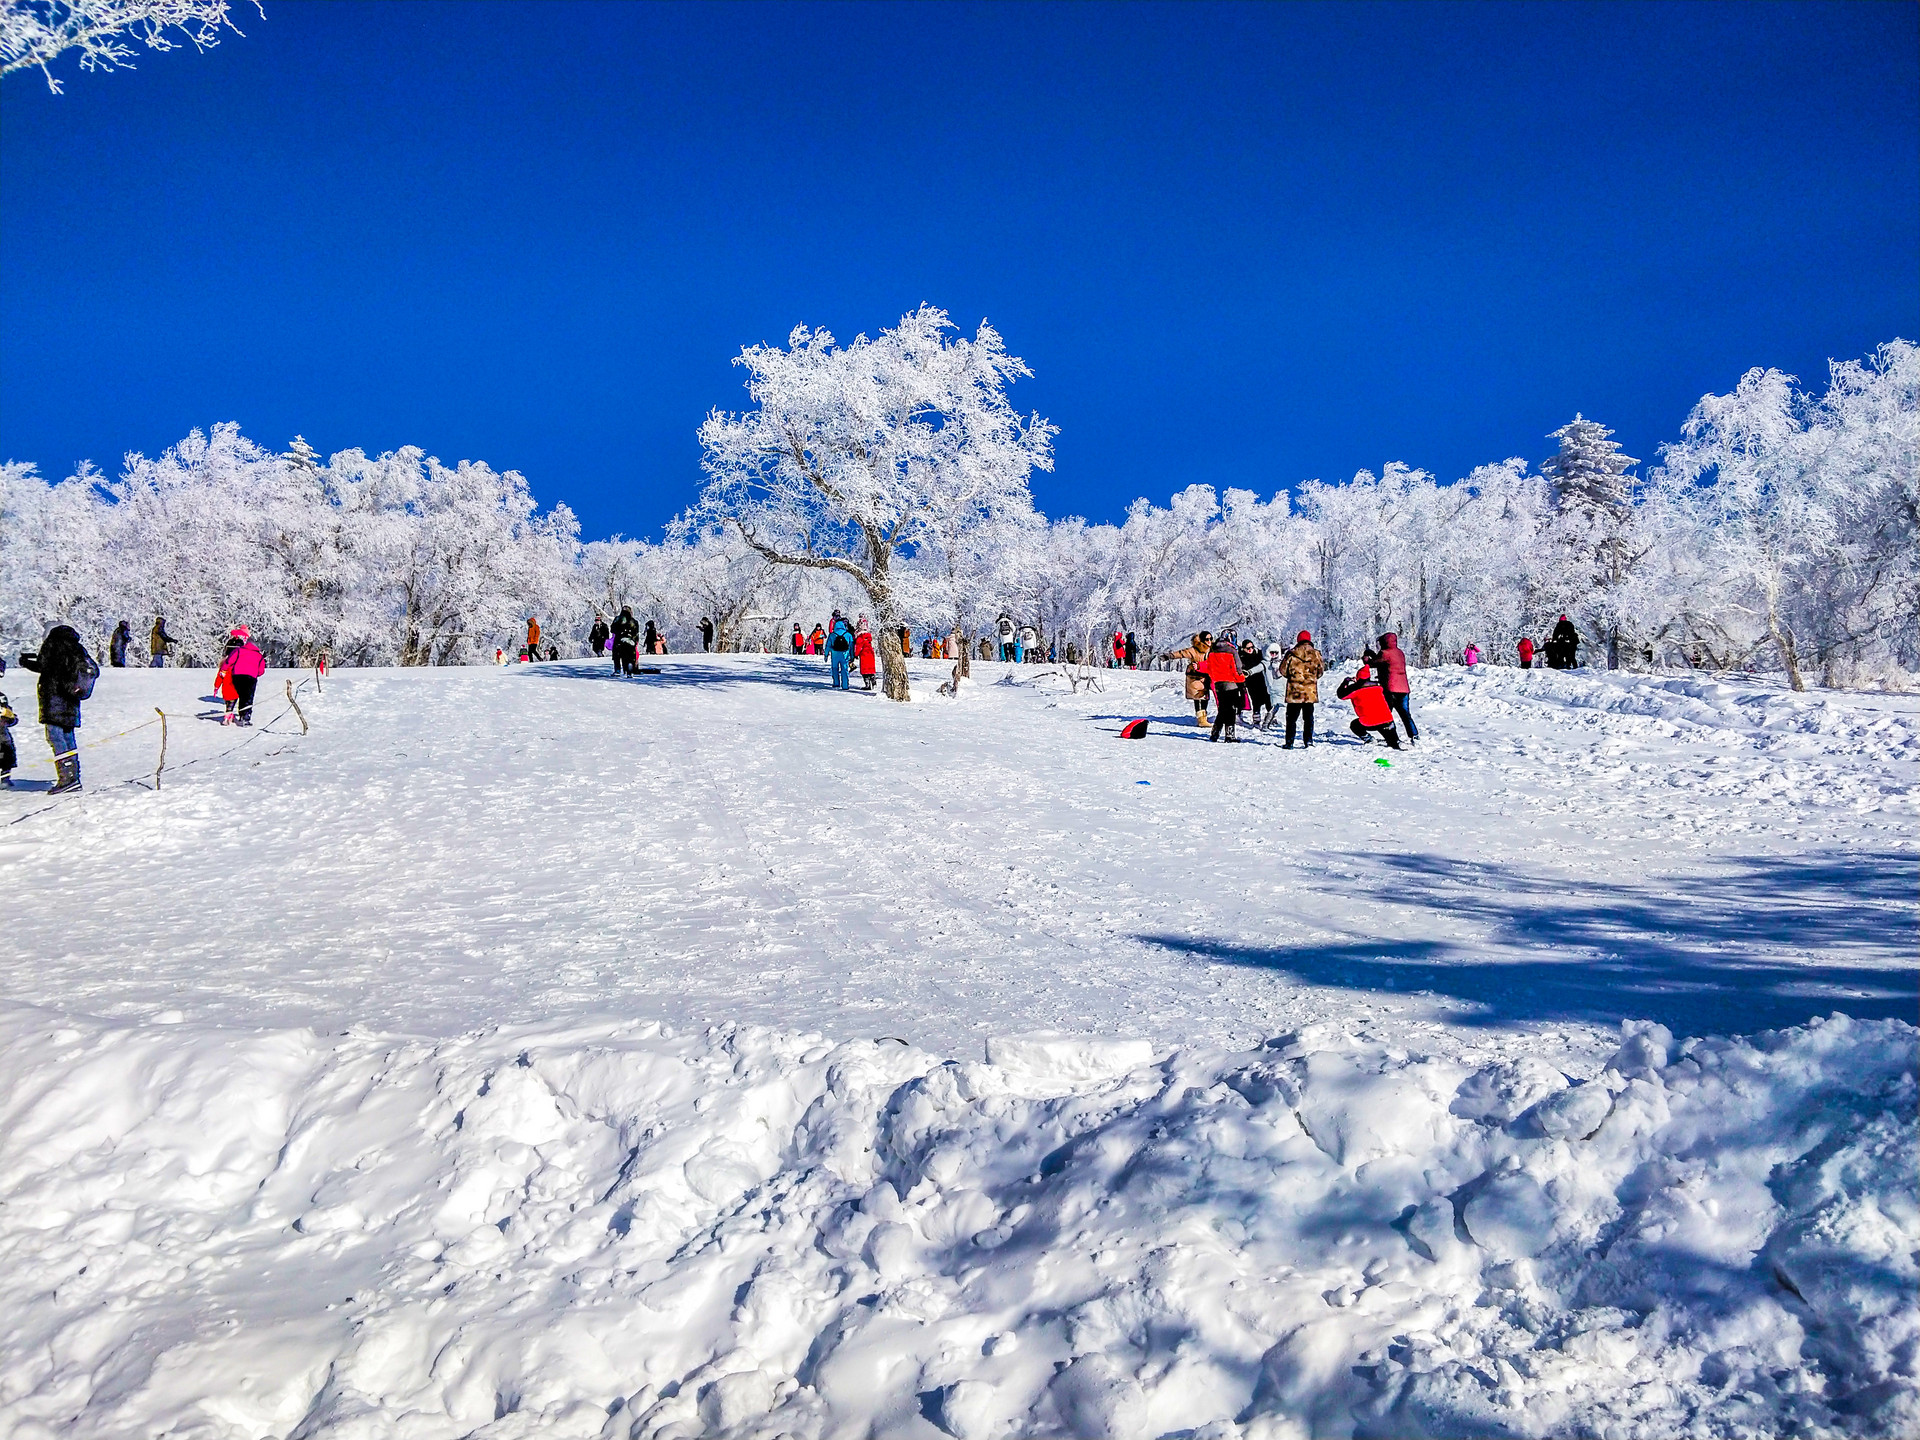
528	1053
628	1232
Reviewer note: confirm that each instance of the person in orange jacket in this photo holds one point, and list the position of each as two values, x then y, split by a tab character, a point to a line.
1372	715
1222	668
533	638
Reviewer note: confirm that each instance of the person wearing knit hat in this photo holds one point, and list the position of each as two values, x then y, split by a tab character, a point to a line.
1302	670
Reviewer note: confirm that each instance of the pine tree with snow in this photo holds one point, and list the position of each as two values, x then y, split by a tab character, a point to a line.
303	454
1593	490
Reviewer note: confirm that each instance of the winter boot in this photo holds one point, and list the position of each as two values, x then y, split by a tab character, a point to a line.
66	774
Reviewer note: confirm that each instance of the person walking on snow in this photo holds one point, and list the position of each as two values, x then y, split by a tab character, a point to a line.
1471	655
1195	655
159	643
863	652
117	647
1223	669
223	685
650	639
67	674
626	642
1025	644
1302	670
1526	653
598	636
1119	649
1003	627
245	665
1391	661
1371	713
533	638
706	633
840	651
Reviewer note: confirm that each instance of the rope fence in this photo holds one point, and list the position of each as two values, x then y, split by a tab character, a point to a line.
161	717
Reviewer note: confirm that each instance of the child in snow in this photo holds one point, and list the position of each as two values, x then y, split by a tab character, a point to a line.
223	685
1526	653
1222	666
1471	655
9	757
1371	713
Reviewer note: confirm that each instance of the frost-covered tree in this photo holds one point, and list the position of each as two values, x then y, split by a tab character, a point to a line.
1593	488
34	32
852	453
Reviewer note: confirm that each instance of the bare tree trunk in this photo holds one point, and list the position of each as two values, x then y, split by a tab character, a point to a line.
893	665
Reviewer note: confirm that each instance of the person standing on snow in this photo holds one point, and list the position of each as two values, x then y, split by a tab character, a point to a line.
1526	653
223	685
816	639
1563	646
1003	627
1223	669
626	642
1133	652
1195	655
9	757
598	636
1391	661
117	647
1371	713
1253	665
1302	670
159	643
840	651
67	674
706	633
1119	648
1471	655
863	652
1025	644
533	638
245	664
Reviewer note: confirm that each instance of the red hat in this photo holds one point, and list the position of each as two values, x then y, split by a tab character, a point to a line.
1305	637
1364	674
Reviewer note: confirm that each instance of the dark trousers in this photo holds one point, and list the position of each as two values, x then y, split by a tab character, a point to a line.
1298	710
623	658
244	686
1257	695
1398	700
1385	732
1226	709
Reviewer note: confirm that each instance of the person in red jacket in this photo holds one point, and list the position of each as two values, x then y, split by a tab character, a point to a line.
1222	668
1526	653
863	652
1372	715
1390	661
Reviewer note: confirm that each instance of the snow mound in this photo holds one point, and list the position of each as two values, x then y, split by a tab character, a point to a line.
619	1231
1874	727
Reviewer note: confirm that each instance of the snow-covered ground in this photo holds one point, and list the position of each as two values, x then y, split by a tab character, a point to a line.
527	1052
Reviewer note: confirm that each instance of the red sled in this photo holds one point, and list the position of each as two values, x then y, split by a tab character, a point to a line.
1134	730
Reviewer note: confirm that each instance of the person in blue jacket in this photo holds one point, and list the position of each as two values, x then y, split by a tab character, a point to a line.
840	651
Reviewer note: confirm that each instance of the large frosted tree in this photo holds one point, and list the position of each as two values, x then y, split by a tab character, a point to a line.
854	455
1593	489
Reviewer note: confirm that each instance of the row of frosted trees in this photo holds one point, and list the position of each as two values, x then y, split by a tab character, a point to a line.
1781	531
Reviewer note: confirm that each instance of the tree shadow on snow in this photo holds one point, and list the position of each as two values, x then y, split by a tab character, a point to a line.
792	672
1766	942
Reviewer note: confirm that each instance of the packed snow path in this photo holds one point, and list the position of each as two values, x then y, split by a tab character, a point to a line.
530	1053
733	841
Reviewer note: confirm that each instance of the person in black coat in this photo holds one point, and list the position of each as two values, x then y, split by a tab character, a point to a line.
67	674
626	642
117	647
598	636
706	633
1563	645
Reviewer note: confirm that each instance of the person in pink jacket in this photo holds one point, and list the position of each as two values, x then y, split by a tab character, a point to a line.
245	666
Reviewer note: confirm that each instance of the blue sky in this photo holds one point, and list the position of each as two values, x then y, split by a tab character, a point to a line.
1245	245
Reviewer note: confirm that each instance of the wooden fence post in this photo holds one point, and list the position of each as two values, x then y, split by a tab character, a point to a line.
163	746
296	707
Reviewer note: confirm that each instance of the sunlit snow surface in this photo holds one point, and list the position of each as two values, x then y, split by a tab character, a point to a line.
531	1053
